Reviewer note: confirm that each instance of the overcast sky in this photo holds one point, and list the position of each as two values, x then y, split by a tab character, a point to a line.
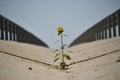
42	17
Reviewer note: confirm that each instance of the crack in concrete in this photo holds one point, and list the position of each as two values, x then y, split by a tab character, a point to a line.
93	57
46	64
58	67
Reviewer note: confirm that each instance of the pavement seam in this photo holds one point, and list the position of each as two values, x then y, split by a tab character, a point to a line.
58	67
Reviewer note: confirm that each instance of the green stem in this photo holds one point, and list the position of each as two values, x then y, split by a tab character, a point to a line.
62	47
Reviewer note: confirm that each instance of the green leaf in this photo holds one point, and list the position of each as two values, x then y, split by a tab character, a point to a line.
64	44
65	35
55	51
64	55
67	56
56	60
59	33
63	64
56	55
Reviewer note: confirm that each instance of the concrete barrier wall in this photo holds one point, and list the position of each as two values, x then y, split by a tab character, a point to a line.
13	32
107	28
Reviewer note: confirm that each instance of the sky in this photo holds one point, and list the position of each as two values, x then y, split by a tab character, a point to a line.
42	17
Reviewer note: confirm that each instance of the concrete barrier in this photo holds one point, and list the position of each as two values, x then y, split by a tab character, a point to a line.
107	28
13	32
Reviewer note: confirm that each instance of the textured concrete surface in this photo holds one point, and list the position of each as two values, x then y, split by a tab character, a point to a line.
99	60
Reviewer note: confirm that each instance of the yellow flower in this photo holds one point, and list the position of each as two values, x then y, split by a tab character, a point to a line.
60	29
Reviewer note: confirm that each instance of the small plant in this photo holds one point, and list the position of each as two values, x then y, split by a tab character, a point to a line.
60	54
